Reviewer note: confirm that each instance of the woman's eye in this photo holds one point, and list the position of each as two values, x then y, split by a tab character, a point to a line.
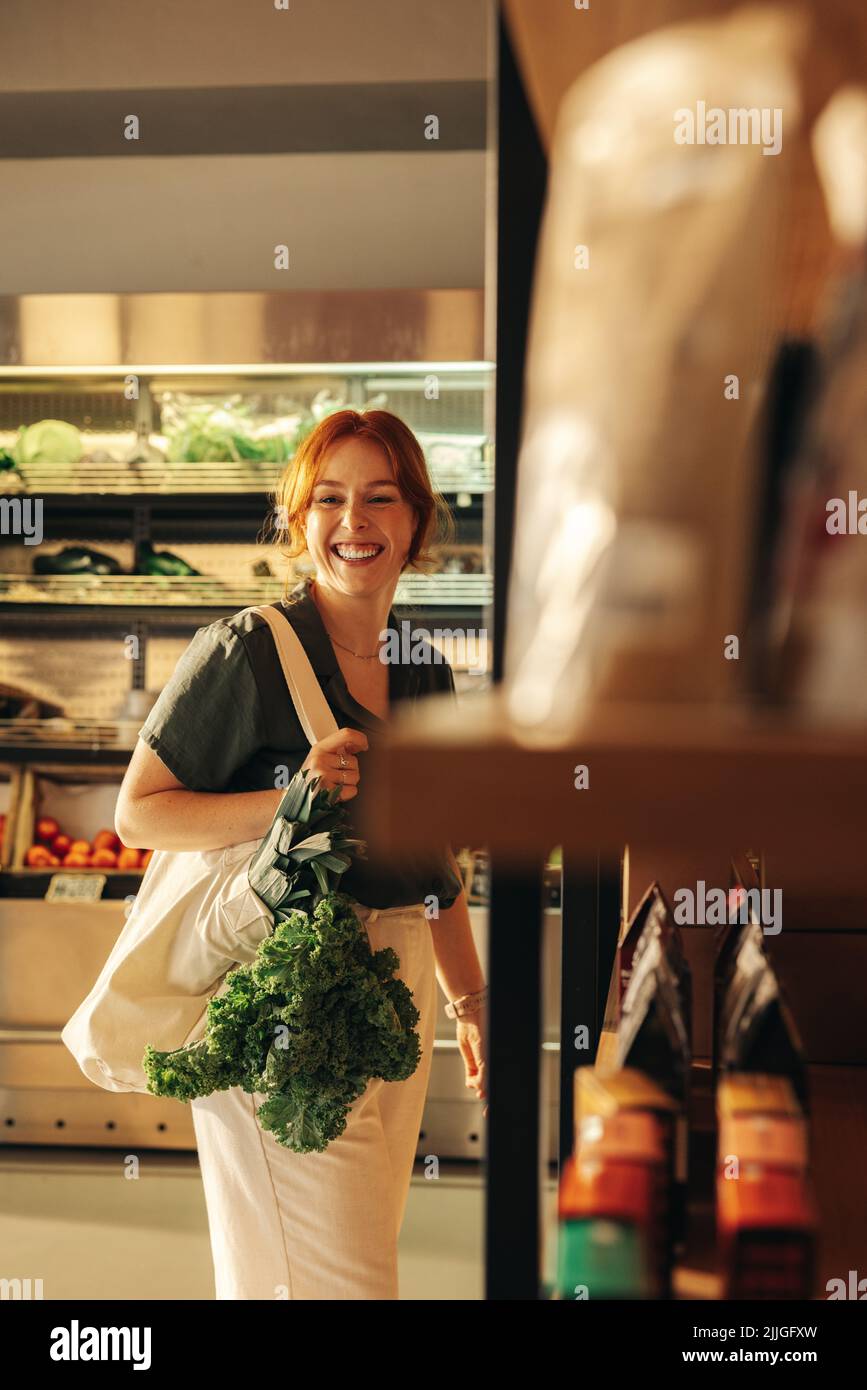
324	501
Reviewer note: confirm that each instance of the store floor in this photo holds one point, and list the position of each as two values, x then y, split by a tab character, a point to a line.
71	1218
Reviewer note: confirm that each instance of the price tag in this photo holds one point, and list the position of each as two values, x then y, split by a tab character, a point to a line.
75	887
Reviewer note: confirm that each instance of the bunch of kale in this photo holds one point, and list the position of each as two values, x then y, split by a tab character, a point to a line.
317	1014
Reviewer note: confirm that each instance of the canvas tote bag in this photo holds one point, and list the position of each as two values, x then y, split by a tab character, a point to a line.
194	918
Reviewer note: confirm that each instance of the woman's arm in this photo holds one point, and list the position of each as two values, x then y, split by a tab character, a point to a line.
156	811
459	969
459	972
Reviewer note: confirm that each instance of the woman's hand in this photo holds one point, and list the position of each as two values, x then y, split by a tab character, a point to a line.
324	760
472	1041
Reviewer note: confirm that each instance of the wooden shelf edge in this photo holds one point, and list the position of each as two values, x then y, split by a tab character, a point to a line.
682	779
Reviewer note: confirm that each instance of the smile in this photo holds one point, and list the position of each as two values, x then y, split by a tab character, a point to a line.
356	554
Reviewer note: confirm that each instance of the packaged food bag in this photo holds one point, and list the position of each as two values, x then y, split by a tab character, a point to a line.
648	342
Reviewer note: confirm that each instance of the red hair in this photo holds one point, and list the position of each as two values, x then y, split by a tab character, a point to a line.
294	491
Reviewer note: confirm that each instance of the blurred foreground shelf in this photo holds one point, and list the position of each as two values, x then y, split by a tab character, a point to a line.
663	781
657	776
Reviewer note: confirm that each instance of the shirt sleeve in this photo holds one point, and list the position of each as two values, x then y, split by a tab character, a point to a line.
208	720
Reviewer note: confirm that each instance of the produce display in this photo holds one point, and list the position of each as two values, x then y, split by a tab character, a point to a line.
53	849
228	431
48	441
161	562
76	559
317	1013
81	559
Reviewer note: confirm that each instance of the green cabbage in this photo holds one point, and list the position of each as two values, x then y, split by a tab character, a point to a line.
48	441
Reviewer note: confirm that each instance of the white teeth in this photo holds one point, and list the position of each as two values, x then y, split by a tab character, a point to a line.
347	552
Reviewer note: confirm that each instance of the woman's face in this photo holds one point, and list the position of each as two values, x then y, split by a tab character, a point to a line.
359	526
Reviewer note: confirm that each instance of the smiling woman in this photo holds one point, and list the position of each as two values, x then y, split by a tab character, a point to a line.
356	445
356	521
358	500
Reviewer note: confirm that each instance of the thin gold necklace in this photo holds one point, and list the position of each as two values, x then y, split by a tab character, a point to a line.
361	656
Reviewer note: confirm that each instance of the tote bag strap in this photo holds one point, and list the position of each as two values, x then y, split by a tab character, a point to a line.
310	704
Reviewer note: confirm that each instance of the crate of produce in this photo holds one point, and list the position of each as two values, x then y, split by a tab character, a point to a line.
65	820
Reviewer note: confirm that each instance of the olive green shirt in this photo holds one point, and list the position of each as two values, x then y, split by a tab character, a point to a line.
226	722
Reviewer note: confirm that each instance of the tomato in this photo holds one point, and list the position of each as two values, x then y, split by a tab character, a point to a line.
106	839
46	829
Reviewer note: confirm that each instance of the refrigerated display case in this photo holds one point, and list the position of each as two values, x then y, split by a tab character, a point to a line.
153	520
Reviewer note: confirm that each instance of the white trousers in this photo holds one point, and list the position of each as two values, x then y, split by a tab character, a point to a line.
321	1225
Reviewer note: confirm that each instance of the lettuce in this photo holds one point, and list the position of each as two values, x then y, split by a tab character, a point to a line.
48	441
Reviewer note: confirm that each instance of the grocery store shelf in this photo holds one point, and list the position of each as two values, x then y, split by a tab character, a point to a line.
132	480
85	734
33	883
114	591
134	590
658	777
838	1134
695	1274
209	482
100	741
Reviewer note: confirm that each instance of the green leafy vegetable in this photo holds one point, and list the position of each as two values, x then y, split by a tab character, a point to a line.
207	434
48	441
317	1014
158	562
